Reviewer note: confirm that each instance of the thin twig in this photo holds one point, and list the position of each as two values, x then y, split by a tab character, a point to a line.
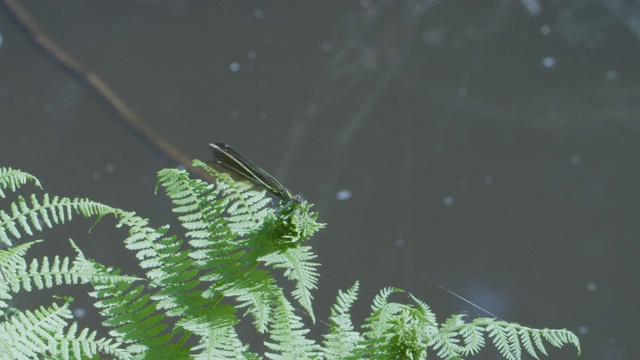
93	83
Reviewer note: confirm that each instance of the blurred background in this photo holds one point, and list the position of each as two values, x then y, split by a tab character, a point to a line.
490	147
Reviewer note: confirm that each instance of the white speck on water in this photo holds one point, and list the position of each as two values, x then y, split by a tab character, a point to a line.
549	62
545	29
234	114
258	14
399	242
532	6
95	176
583	330
462	91
611	75
262	115
448	200
488	180
251	54
591	286
344	195
110	168
79	312
575	159
234	66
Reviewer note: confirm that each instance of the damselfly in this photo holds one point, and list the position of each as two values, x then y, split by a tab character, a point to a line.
226	159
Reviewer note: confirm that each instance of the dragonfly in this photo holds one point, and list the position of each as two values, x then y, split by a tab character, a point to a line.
227	159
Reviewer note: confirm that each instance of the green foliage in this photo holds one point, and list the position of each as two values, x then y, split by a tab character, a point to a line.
201	281
14	179
342	341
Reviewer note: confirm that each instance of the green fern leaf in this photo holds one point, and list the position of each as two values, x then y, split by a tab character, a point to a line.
426	315
527	344
13	179
507	337
220	255
128	309
288	335
218	338
50	211
12	262
473	339
558	338
46	274
73	345
500	337
230	230
26	335
514	342
246	208
256	291
171	270
298	266
342	342
381	311
446	341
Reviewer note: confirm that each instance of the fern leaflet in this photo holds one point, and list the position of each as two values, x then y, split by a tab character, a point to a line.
13	179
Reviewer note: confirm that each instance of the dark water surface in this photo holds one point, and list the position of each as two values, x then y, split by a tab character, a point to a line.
493	148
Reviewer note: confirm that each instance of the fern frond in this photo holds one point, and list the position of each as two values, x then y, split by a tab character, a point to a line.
381	310
73	345
230	271
297	266
295	223
13	179
502	340
288	335
424	312
42	332
246	208
342	341
220	256
508	338
218	338
48	273
170	269
256	291
12	261
446	341
26	335
24	217
231	230
193	199
220	344
399	330
128	310
472	338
